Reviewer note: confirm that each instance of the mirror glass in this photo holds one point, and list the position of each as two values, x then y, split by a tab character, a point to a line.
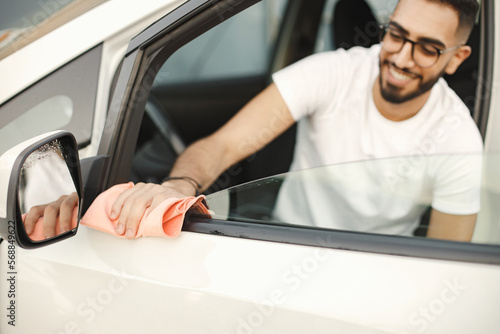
48	199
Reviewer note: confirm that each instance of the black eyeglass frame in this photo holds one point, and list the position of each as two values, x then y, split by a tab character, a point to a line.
383	31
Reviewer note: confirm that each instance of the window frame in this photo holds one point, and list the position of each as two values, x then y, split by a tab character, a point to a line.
346	240
144	57
485	72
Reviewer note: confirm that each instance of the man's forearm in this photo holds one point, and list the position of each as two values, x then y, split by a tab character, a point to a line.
239	138
203	162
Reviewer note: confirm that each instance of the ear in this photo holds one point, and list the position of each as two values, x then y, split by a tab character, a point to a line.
460	55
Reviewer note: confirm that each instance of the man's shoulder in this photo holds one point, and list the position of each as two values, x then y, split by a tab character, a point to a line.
456	123
356	64
445	100
354	53
326	67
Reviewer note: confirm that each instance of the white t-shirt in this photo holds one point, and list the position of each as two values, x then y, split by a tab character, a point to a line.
330	95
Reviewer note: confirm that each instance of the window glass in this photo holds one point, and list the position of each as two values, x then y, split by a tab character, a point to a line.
386	196
203	84
241	46
64	100
54	113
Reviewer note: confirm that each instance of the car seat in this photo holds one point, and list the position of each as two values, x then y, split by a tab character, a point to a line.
464	80
354	24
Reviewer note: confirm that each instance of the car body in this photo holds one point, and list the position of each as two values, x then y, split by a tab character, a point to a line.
107	84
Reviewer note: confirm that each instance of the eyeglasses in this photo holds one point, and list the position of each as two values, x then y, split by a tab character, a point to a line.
424	54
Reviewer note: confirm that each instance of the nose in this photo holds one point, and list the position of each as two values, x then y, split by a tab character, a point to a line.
404	58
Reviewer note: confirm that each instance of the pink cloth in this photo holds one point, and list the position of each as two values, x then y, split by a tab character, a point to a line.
164	221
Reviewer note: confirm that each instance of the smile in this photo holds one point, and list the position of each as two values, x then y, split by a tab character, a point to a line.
399	75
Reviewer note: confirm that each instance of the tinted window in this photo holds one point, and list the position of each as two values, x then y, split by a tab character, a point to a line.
64	100
241	46
207	80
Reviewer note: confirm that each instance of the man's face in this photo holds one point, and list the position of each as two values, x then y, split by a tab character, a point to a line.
401	79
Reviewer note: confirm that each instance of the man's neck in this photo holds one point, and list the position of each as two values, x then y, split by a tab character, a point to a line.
398	112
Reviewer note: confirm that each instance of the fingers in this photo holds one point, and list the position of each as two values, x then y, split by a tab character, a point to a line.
117	207
58	211
131	205
50	215
66	212
32	217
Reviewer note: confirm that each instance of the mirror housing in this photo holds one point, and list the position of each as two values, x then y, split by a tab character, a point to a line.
13	165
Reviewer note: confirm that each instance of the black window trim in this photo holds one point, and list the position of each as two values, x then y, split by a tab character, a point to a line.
414	247
485	72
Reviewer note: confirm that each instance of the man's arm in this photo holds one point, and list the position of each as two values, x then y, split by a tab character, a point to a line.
253	127
260	121
451	227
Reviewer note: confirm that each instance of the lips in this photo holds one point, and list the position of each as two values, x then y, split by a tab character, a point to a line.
398	77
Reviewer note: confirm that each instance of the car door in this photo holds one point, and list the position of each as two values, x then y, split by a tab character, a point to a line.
240	276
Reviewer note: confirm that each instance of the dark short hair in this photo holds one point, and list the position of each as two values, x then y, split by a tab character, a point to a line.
466	10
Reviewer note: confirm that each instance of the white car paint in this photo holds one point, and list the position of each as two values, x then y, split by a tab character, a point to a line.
96	283
198	283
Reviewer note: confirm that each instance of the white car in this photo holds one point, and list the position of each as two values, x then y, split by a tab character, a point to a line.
119	88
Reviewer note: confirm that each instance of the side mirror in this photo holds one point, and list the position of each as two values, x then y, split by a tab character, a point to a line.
37	179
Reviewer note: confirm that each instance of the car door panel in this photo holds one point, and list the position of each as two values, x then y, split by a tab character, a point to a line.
212	284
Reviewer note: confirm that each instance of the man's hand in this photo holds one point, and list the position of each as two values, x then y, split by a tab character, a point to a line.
130	206
207	158
61	209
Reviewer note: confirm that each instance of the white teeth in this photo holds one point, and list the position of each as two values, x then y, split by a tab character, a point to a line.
398	75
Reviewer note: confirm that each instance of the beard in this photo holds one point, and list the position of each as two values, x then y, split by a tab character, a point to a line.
393	94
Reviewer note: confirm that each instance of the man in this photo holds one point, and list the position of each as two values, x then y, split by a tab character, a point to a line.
353	105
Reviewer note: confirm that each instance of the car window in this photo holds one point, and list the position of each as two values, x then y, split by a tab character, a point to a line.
64	100
373	196
208	80
198	106
24	21
54	112
241	46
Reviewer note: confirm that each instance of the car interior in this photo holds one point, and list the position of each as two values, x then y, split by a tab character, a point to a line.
181	111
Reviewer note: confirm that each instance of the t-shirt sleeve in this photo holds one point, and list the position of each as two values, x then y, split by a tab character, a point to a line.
311	82
457	184
457	173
